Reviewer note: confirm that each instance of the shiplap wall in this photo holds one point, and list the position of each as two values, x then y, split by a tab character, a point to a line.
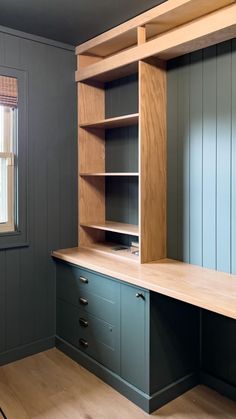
202	157
121	97
27	275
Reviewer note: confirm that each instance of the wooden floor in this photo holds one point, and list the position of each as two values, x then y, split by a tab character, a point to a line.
51	386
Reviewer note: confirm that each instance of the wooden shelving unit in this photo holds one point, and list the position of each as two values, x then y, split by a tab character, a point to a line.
94	204
140	46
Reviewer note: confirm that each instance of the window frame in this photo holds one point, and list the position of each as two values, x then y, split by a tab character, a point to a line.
18	236
9	156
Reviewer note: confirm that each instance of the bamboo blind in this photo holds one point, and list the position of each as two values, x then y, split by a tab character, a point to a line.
8	91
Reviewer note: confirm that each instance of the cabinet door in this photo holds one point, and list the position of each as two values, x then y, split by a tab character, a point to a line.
135	336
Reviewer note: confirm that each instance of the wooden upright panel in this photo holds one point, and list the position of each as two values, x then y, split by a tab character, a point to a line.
91	107
152	149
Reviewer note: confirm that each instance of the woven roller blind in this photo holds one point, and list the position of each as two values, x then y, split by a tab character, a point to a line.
8	91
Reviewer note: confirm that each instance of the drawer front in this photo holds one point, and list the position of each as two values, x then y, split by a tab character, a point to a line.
104	309
100	340
73	282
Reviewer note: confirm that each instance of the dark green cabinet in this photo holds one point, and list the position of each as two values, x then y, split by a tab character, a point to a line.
88	314
219	350
135	336
100	340
144	344
67	316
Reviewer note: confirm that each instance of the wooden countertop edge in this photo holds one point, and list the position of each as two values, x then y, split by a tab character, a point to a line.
204	303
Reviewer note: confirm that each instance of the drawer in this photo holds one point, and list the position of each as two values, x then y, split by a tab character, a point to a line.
104	309
100	340
71	281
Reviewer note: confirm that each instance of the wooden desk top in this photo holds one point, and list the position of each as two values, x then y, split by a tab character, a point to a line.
205	288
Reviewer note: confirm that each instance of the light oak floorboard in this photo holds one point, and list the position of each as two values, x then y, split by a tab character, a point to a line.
50	385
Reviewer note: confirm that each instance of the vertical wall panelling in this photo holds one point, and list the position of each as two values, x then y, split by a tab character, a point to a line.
121	155
223	155
172	162
2	300
40	184
2	52
122	149
12	47
233	162
12	300
121	96
202	203
183	210
201	125
27	275
195	253
209	158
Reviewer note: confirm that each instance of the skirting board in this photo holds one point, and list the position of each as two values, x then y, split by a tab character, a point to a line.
218	385
27	350
143	400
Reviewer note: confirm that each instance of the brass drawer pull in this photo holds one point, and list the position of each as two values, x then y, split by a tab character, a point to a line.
83	301
83	280
84	343
83	322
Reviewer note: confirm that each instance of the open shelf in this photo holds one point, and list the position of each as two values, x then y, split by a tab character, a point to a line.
157	20
173	29
110	174
120	121
114	249
115	227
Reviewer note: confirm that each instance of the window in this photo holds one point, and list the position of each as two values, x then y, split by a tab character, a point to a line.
8	147
14	209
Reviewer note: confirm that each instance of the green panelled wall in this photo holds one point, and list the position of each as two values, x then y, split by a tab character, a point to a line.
202	183
202	157
27	275
121	97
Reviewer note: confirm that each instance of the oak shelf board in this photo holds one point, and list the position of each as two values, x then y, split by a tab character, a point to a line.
135	174
210	29
115	227
106	249
120	121
201	287
157	20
